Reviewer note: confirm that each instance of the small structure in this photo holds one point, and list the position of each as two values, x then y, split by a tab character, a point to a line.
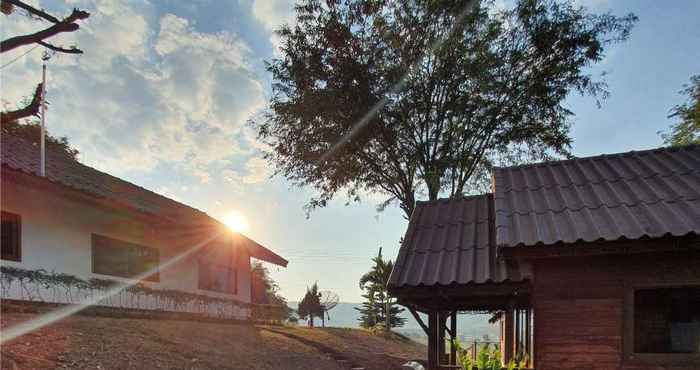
591	263
95	227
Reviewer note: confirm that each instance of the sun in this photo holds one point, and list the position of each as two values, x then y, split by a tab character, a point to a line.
236	221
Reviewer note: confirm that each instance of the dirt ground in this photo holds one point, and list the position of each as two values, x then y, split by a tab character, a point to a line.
83	342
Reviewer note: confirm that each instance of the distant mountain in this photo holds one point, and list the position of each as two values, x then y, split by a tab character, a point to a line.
470	327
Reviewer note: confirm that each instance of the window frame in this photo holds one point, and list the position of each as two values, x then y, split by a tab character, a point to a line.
16	256
232	269
632	357
154	277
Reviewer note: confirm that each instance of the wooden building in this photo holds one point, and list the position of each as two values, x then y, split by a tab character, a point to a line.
593	263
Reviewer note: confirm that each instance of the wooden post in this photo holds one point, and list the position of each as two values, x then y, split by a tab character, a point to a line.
528	336
518	337
442	318
433	325
508	332
453	336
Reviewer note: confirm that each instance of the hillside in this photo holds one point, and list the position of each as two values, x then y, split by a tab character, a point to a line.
470	327
83	342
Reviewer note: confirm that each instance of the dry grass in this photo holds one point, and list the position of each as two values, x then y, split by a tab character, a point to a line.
83	342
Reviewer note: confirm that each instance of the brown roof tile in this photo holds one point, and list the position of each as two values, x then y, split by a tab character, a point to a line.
604	198
451	242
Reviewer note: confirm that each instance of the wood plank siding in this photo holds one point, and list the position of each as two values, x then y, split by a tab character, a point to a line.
580	308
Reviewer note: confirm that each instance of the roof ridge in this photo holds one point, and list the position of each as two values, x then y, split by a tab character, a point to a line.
600	156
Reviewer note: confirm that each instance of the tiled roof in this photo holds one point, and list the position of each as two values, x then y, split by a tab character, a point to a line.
631	195
21	155
451	242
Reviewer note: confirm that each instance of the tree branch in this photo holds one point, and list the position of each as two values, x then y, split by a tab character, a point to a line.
59	49
30	110
31	10
66	25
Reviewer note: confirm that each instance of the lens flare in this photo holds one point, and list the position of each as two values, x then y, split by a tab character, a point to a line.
236	221
48	318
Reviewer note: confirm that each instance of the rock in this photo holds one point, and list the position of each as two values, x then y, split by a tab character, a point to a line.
413	365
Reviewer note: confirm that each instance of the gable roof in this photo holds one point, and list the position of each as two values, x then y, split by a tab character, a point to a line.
451	241
632	195
22	155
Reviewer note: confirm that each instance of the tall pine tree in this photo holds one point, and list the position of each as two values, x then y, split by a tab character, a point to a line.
310	305
378	303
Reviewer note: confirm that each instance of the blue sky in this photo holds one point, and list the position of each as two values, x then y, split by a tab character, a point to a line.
164	90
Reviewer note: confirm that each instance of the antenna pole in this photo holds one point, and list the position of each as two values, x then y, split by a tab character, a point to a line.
43	121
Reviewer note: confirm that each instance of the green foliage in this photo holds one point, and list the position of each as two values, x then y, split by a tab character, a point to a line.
420	98
269	294
687	130
379	309
488	358
464	357
31	131
310	305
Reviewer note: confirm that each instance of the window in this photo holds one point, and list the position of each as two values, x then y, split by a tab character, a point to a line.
11	237
667	320
119	258
217	277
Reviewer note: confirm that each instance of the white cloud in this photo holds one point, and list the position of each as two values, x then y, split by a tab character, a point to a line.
273	13
149	90
258	170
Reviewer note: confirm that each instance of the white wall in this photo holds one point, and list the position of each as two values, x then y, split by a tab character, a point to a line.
56	236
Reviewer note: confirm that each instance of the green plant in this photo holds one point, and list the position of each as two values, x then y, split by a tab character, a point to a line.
464	358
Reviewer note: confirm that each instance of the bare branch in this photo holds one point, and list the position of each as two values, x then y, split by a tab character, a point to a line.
66	25
32	10
30	110
76	16
59	49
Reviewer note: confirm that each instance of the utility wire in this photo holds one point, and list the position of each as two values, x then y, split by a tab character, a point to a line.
20	56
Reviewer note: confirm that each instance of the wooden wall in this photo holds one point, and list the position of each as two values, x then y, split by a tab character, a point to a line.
579	307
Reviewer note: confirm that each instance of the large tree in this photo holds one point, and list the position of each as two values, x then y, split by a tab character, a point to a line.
417	98
39	38
687	130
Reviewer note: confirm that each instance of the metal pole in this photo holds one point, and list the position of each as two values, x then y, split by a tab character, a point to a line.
42	168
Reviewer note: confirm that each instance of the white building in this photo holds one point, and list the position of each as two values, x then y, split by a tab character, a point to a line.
96	227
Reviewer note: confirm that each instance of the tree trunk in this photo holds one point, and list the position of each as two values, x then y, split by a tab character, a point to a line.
387	315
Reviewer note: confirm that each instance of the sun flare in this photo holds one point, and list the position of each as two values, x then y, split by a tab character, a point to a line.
236	221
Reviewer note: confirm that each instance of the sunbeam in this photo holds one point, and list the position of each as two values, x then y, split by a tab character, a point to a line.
48	318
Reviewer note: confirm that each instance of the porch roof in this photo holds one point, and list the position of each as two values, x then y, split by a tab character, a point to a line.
452	242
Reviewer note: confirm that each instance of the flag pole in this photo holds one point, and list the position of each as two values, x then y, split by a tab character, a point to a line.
43	121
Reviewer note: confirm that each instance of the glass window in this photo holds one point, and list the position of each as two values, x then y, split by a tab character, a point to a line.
119	258
11	236
667	320
217	277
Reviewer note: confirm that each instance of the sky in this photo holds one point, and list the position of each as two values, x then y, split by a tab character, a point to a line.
163	95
